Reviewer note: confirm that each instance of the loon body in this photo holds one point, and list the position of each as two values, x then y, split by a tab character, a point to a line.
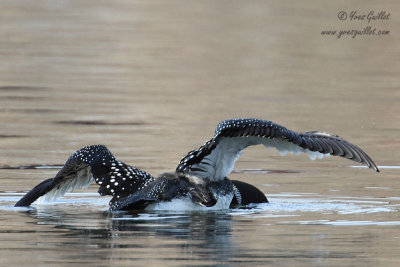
200	180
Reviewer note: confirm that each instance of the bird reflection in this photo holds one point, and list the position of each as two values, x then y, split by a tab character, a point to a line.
197	233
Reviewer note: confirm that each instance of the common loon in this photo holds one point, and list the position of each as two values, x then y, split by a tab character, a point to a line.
200	180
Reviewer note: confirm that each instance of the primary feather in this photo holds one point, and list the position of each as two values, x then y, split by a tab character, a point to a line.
216	158
91	163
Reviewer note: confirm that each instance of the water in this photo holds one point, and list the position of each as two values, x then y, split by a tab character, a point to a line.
151	80
294	229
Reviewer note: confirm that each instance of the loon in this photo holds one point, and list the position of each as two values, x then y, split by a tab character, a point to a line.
200	180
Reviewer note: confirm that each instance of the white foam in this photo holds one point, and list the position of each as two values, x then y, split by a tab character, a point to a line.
347	223
290	204
380	167
185	204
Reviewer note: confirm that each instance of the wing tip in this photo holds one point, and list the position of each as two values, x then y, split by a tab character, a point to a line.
374	167
35	193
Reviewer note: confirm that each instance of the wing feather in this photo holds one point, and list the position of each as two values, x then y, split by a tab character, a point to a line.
91	163
215	159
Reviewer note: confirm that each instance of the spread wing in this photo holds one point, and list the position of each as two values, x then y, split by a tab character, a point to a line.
216	158
91	163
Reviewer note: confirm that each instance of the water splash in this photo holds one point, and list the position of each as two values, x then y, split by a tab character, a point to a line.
283	205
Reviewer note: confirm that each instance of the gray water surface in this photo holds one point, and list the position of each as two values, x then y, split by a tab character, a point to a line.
151	80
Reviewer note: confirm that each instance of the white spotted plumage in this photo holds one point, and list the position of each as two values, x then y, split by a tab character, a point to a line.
201	174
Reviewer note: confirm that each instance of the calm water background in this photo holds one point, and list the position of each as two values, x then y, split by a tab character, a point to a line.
151	80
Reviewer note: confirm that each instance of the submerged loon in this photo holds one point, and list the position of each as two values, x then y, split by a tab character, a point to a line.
200	180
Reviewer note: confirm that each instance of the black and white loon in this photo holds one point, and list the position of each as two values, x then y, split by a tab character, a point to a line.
200	180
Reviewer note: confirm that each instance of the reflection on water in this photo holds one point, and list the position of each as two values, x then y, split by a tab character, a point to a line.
195	235
81	223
